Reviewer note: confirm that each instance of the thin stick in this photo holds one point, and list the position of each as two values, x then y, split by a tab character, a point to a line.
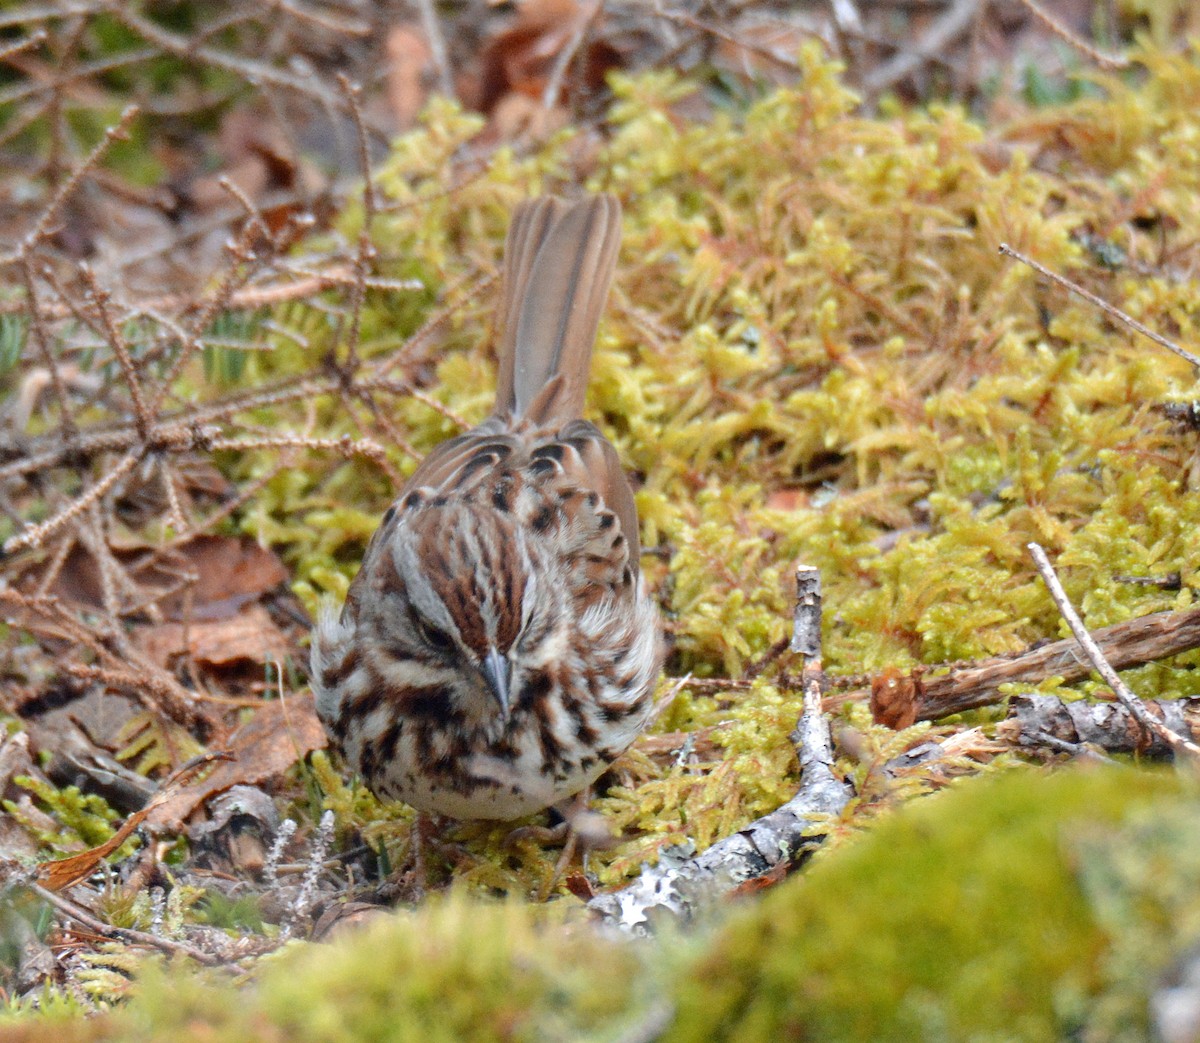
930	47
563	61
353	93
968	686
253	71
345	446
1130	701
41	338
35	39
718	33
437	46
77	913
35	535
249	298
68	187
1102	304
365	253
116	340
1108	62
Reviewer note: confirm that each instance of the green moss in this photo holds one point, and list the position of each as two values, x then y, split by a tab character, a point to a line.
814	352
1030	906
963	916
455	970
81	820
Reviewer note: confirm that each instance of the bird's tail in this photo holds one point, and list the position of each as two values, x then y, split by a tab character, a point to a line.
558	264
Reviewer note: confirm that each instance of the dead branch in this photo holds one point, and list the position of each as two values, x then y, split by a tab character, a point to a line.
970	686
77	913
677	887
952	24
1108	62
1106	726
562	61
1131	702
437	46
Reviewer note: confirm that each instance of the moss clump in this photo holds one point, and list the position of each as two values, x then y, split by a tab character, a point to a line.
1024	906
814	351
963	916
454	970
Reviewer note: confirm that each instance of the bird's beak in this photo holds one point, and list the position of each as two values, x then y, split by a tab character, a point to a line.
497	671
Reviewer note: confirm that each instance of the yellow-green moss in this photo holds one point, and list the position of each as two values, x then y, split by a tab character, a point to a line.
815	352
1029	906
963	916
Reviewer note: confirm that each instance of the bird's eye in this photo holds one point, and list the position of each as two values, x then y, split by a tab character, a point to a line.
433	637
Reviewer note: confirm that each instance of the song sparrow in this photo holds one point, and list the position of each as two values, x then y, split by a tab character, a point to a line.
497	649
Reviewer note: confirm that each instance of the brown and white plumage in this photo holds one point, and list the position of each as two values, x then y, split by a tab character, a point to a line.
497	649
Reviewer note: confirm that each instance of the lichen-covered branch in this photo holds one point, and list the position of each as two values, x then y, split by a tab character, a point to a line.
1108	726
676	888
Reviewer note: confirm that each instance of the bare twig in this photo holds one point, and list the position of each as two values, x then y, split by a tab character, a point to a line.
437	46
781	58
365	254
563	59
34	39
248	298
1104	725
950	25
249	69
41	338
116	339
972	685
1102	304
36	535
68	188
769	844
345	446
155	941
1108	62
1130	701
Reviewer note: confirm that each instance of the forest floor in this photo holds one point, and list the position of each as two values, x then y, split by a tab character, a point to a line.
250	253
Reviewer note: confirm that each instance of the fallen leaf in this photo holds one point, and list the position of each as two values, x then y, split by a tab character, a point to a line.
229	572
260	161
580	886
249	638
894	696
280	733
519	60
62	873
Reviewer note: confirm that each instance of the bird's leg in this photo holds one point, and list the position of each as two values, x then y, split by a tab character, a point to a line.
580	830
418	873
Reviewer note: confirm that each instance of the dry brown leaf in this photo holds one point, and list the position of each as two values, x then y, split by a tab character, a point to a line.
894	696
250	638
66	872
279	734
520	59
230	571
259	160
